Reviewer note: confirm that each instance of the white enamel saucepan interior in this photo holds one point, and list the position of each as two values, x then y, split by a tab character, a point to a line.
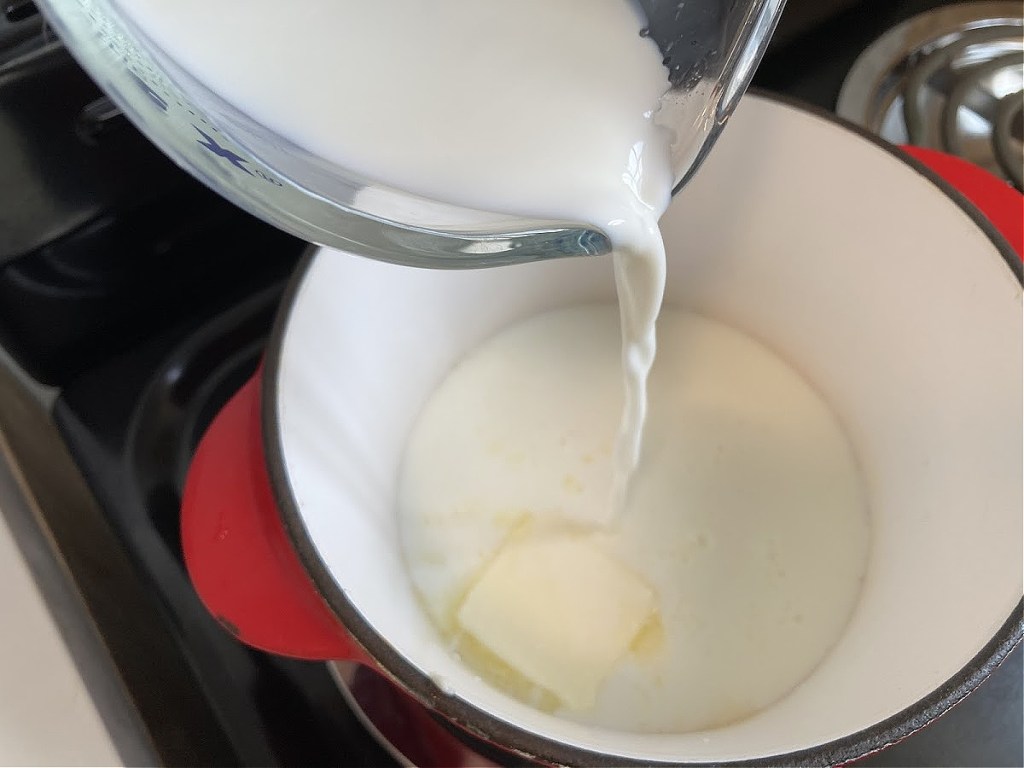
848	262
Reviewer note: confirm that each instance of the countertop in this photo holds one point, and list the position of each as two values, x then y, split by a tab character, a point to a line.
62	699
47	717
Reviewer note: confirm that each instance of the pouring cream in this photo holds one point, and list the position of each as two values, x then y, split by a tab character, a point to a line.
535	108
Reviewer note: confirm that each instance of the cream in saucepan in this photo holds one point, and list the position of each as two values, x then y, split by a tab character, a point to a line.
747	522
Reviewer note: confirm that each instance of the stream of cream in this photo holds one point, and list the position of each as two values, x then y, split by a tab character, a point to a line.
538	108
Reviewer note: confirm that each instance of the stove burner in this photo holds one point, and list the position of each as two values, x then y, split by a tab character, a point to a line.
1007	137
949	79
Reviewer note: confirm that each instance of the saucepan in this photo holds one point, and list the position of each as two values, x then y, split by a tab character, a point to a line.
886	288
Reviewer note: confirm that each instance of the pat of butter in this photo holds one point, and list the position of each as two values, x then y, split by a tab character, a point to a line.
558	610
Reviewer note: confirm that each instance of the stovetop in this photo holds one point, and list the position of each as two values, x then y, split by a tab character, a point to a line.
144	301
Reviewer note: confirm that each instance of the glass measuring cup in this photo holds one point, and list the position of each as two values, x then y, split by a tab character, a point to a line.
710	47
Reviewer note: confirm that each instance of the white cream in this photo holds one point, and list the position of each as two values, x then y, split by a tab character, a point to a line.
540	108
747	517
640	285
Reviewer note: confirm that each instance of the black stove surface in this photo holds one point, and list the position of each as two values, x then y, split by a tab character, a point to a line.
133	425
177	297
